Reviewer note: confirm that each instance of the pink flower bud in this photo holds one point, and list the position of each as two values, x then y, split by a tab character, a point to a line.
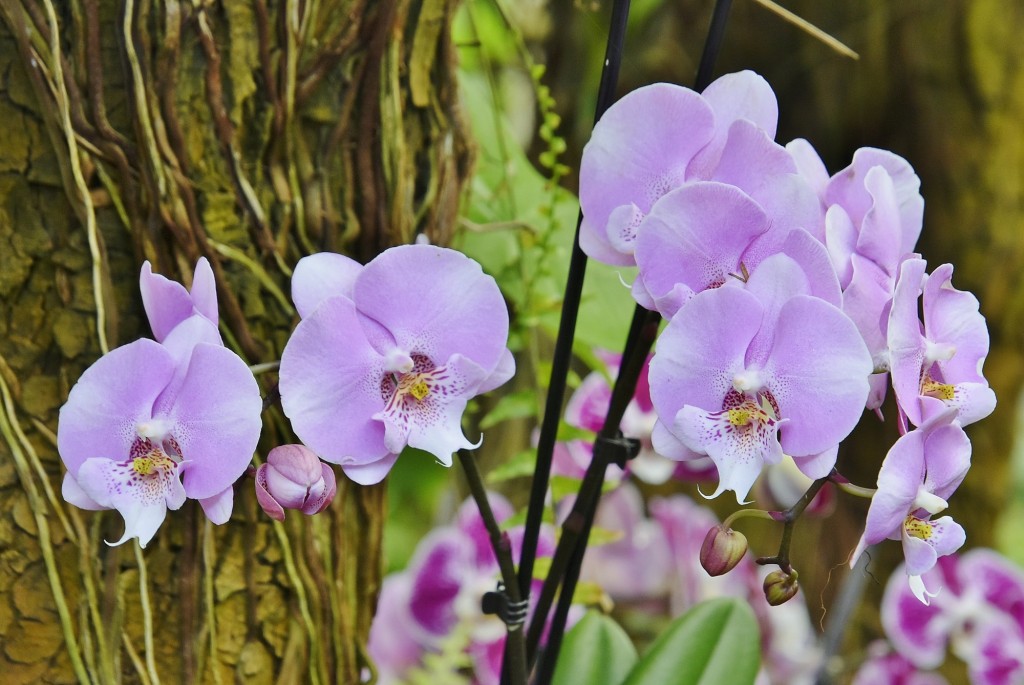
294	478
722	549
780	587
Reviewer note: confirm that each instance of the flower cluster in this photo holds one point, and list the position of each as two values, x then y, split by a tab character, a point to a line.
979	616
153	422
791	296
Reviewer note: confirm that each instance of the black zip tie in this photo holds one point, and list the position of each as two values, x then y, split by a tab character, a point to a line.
498	603
617	450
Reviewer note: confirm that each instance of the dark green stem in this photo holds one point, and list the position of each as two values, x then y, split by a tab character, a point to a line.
789	518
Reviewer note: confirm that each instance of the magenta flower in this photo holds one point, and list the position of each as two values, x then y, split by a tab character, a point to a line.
388	354
737	364
938	364
637	566
150	424
662	136
293	477
885	667
439	595
922	469
979	616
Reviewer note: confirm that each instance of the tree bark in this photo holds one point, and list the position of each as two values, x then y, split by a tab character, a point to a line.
250	132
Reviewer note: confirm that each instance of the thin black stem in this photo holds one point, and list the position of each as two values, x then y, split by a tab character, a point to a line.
515	646
576	530
567	325
568	558
713	44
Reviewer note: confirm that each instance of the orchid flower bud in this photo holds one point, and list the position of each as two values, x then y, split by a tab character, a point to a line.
722	549
294	478
780	587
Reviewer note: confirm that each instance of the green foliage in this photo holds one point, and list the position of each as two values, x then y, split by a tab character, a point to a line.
449	665
595	652
714	642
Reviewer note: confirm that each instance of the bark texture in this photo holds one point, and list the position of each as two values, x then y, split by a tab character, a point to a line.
251	132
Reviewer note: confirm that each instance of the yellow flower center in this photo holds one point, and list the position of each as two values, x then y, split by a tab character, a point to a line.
142	466
419	390
916	528
155	459
739	417
941	391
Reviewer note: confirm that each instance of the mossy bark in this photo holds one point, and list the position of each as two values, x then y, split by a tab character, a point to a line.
250	132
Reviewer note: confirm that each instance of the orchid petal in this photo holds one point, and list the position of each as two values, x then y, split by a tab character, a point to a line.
465	313
683	242
905	339
952	317
268	503
848	188
501	374
109	400
204	290
943	536
321	495
702	350
841	242
216	425
371	473
433	423
218	508
809	164
638	151
817	372
73	493
331	386
671	447
320	276
739	450
143	500
166	302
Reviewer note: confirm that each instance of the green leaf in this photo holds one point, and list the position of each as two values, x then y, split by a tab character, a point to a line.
595	652
714	642
517	405
520	465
